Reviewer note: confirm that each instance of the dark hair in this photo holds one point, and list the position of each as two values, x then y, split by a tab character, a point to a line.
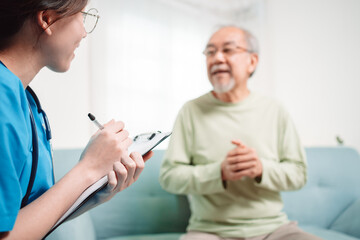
13	14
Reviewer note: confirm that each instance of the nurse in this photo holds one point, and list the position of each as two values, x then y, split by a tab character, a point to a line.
36	34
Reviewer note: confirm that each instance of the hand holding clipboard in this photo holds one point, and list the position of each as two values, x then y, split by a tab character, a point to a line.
142	143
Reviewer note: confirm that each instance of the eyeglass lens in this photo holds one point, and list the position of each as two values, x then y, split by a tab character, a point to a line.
90	20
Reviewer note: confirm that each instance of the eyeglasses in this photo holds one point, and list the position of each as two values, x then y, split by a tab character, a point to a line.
91	18
227	50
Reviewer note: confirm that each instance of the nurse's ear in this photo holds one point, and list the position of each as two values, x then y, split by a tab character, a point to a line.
45	19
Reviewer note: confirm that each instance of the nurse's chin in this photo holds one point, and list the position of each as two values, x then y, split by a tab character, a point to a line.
61	67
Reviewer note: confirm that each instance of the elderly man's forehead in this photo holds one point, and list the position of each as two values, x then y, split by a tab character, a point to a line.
227	35
224	44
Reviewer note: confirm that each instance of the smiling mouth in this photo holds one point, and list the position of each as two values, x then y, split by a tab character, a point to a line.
220	72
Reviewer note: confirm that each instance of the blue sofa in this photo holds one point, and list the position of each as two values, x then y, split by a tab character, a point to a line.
328	206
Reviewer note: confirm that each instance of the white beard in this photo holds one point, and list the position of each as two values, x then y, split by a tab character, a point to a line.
223	88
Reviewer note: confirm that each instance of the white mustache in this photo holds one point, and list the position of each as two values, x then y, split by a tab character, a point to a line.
219	67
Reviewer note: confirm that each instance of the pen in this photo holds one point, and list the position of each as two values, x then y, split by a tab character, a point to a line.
92	118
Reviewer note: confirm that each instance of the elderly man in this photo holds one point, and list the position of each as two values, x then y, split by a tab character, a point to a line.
233	151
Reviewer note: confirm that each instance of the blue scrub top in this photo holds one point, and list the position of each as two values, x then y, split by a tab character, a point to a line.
16	149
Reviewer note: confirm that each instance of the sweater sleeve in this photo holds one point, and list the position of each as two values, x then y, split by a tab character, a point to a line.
178	174
289	172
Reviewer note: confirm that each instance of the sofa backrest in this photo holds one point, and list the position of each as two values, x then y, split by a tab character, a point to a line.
333	184
80	228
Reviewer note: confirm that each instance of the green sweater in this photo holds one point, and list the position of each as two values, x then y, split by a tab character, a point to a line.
200	141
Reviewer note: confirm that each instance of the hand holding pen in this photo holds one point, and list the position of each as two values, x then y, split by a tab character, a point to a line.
101	127
126	169
106	147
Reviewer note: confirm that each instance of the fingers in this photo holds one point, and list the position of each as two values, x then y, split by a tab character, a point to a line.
112	181
121	176
114	126
148	156
238	143
241	161
239	151
134	165
127	171
248	156
107	152
236	172
241	166
122	135
125	144
139	162
252	173
130	166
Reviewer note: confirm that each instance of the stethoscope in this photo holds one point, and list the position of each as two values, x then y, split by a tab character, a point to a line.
35	143
40	110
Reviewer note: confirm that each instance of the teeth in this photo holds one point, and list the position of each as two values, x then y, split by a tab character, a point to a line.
220	72
219	68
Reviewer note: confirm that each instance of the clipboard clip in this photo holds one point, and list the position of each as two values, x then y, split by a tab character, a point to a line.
143	137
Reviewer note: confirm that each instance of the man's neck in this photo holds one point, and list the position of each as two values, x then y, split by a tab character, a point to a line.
233	96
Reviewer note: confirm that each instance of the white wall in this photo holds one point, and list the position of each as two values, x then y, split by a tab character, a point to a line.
65	97
309	56
153	60
315	53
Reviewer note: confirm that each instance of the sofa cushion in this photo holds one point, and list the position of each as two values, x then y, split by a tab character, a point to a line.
166	236
349	221
144	208
326	233
80	228
331	187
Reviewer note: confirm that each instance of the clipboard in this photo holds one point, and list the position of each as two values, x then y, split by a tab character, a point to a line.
145	142
142	143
